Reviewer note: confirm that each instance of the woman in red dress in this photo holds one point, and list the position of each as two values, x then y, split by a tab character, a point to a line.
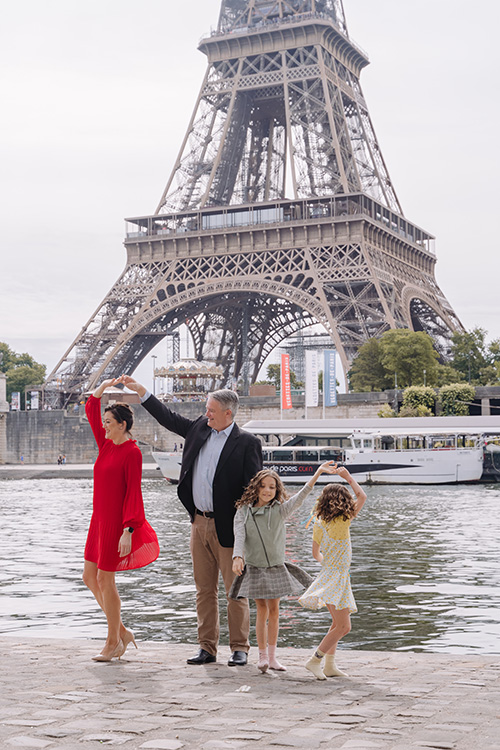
119	536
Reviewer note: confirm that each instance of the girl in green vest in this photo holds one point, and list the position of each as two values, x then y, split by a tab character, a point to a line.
259	554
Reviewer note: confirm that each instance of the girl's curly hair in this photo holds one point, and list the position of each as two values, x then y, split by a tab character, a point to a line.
251	494
335	501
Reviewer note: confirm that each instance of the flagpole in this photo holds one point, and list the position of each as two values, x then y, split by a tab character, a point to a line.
324	382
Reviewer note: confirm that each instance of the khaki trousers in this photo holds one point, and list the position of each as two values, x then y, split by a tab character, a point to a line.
208	559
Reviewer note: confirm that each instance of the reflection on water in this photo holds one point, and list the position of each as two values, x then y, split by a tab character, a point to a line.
425	570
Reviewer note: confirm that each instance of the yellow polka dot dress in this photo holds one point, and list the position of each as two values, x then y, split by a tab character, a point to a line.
333	585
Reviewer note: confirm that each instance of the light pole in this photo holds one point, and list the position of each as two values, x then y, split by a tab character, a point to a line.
153	357
425	373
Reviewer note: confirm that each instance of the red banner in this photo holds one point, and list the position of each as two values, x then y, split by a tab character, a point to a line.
286	393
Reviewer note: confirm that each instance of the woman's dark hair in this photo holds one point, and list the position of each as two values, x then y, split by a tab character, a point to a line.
335	501
122	413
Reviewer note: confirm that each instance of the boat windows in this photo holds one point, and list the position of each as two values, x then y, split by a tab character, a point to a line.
442	442
307	455
385	443
360	443
330	455
466	441
412	443
282	456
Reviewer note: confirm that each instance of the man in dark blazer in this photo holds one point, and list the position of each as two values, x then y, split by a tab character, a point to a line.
218	461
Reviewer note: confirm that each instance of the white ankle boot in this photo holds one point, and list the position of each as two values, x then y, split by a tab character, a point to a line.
314	666
331	669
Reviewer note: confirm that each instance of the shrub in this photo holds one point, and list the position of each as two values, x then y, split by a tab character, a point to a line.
386	411
453	396
424	411
420	396
407	411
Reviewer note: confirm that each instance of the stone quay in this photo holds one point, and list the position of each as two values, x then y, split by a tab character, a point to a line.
54	696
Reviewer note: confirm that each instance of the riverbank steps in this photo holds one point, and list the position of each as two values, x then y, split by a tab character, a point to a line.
54	696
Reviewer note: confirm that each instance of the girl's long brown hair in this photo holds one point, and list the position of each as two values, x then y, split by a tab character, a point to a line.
335	501
251	494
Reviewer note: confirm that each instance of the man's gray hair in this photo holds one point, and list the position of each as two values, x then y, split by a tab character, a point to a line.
227	399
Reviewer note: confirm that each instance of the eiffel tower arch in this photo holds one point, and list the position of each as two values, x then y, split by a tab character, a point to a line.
279	212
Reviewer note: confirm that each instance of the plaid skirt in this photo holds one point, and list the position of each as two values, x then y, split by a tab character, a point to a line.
269	583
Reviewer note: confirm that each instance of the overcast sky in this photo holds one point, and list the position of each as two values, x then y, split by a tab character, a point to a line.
96	97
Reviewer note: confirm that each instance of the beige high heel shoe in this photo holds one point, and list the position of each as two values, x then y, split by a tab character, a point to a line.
117	653
128	638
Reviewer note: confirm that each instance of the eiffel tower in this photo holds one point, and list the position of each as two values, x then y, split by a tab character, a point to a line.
279	213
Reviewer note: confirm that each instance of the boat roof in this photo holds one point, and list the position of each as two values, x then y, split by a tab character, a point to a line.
391	426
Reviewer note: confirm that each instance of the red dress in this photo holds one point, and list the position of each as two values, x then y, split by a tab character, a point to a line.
117	502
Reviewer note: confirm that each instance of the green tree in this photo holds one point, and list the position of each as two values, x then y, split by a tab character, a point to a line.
494	351
7	357
367	372
447	374
470	355
21	371
410	355
274	377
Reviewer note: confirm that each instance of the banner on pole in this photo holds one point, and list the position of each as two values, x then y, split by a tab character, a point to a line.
286	393
329	378
15	401
312	390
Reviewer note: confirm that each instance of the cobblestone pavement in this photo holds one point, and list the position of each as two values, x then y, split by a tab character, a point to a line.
53	696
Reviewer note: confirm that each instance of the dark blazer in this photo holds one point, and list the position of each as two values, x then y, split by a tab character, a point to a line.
240	460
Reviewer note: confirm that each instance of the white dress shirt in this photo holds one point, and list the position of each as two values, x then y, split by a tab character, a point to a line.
205	466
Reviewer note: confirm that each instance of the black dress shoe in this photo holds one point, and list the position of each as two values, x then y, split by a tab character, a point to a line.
202	657
238	659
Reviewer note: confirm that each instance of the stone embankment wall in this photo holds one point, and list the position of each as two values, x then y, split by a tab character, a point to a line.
41	436
4	410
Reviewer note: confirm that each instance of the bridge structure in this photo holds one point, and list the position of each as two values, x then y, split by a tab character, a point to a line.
279	213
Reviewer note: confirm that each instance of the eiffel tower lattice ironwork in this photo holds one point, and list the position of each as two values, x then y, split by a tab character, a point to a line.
279	213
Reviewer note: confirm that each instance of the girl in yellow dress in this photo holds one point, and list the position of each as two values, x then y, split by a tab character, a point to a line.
332	588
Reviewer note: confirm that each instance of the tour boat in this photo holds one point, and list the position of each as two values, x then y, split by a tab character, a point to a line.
169	465
437	450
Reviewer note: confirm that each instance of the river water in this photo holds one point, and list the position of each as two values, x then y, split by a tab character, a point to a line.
425	570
